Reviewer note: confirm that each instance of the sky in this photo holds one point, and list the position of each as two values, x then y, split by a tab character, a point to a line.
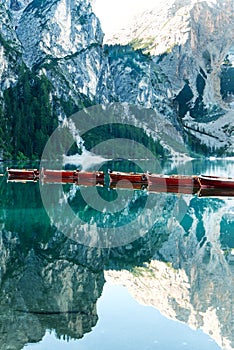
115	14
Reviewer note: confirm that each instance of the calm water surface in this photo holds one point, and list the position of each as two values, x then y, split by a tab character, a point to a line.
170	288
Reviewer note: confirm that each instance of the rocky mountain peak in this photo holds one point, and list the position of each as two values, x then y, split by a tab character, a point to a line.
10	49
169	23
60	28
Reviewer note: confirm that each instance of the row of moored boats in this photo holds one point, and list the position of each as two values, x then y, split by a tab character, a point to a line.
153	182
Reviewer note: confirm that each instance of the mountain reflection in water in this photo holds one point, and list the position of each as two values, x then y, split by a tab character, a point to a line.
183	266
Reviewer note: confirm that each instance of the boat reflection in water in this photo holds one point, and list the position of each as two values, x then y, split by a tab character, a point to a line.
216	192
180	189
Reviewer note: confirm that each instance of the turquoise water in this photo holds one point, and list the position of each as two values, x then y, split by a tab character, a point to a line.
169	286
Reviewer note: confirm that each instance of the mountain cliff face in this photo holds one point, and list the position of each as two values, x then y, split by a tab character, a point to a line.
10	50
66	42
169	60
188	42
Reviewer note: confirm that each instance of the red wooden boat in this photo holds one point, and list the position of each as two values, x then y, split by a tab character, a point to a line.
207	181
59	175
116	176
72	176
23	174
173	180
91	176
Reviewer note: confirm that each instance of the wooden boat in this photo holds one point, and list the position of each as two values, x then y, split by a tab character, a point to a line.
116	176
23	174
72	176
91	176
59	174
208	181
173	180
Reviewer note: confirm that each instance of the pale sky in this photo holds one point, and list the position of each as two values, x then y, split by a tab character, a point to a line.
113	14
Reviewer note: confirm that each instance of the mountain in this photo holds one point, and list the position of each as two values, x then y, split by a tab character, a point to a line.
174	59
10	53
188	42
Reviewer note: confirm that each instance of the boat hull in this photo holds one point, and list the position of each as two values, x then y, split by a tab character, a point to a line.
125	184
59	174
216	192
96	176
72	176
176	181
23	174
216	182
116	176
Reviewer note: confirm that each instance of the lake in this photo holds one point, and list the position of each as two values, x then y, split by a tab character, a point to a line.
99	268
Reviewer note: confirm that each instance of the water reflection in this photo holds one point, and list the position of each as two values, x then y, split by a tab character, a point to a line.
190	277
47	281
183	265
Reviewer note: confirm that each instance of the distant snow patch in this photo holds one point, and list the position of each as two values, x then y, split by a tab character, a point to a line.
86	160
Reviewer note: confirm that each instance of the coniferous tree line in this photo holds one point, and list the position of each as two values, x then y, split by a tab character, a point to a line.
128	132
227	81
27	117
